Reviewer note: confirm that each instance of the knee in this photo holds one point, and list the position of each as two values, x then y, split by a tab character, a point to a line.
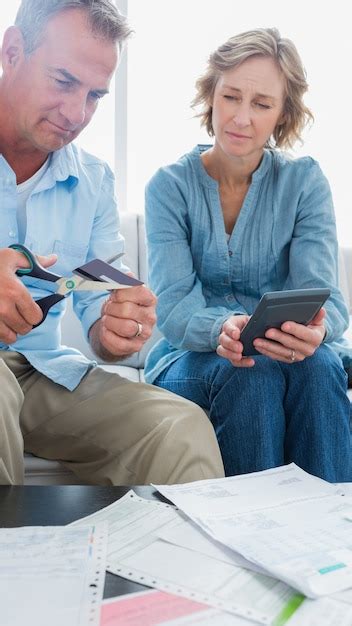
324	367
264	374
189	422
193	433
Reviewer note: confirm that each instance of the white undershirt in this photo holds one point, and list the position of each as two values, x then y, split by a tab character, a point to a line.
24	190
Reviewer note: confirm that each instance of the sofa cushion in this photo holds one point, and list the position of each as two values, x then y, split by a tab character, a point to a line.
132	373
43	472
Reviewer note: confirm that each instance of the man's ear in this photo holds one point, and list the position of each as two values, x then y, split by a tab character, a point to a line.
12	51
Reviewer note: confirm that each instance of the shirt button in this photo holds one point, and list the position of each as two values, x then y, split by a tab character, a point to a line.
12	233
230	298
230	253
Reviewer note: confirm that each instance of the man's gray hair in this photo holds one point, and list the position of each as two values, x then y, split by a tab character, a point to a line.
103	16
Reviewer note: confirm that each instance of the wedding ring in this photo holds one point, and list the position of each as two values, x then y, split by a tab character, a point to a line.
293	356
139	329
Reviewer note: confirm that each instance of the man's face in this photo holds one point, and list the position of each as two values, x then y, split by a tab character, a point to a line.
55	89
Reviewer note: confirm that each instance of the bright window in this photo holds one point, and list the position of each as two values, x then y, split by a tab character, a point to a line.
169	50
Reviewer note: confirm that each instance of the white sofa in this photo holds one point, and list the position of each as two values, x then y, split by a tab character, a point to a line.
41	471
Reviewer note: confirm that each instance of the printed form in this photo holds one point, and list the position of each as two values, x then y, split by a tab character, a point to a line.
202	573
156	608
290	524
52	575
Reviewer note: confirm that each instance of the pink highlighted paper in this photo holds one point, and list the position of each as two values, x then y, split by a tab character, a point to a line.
149	608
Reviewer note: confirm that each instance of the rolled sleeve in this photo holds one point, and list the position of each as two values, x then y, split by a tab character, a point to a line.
184	316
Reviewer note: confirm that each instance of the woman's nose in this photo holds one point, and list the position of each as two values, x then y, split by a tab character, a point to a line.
242	116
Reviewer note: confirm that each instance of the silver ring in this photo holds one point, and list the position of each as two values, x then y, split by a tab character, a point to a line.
139	329
293	356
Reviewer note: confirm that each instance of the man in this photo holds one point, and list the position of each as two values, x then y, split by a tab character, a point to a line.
58	61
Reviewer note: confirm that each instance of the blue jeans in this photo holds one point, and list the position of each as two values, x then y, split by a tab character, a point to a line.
272	413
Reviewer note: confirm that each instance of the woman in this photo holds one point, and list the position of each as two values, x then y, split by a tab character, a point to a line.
227	223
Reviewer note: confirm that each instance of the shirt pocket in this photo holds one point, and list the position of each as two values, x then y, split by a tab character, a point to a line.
70	256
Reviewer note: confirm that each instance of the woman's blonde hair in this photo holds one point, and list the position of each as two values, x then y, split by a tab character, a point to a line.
264	42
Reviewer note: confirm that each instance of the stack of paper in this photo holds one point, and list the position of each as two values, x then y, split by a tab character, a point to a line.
289	524
243	546
156	608
52	575
142	547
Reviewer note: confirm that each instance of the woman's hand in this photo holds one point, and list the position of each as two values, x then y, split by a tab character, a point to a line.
230	346
293	342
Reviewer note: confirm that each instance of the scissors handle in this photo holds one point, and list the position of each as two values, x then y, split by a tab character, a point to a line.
35	269
46	303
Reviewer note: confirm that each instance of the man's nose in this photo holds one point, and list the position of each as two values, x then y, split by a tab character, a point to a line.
74	110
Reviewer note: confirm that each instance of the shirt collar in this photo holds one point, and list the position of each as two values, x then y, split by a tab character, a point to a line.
64	166
259	173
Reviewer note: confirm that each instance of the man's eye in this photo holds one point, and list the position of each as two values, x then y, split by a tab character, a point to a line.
95	96
62	83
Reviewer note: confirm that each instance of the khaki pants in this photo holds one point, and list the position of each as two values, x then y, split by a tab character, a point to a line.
109	430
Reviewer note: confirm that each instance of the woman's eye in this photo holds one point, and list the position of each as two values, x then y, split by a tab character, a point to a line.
262	106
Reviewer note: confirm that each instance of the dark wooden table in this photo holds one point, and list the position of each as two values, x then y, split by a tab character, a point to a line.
60	505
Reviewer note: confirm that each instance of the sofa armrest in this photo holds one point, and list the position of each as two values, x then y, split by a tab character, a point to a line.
346	275
347	259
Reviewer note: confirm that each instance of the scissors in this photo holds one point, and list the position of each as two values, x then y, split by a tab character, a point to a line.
81	282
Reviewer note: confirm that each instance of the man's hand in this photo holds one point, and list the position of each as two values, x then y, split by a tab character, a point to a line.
230	346
124	314
18	311
293	342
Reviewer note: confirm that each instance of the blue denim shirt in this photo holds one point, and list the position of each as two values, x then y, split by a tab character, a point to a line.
284	238
71	212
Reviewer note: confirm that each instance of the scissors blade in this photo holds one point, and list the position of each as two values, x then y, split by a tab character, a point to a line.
78	283
96	285
114	258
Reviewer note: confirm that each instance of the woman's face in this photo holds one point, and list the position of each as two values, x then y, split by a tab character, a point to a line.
247	106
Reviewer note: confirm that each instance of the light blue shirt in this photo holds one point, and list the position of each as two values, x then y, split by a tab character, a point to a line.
284	238
71	212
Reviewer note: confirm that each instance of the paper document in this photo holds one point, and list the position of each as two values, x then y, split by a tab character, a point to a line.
220	496
283	520
52	575
344	489
156	608
322	612
136	552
